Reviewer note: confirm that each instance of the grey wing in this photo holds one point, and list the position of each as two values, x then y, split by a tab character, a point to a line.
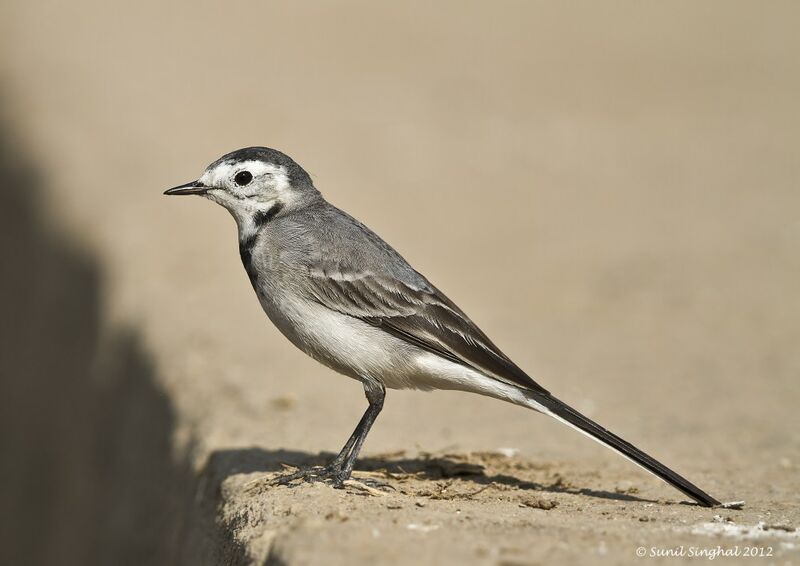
416	312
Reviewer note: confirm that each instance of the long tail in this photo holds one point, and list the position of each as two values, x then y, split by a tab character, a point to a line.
573	418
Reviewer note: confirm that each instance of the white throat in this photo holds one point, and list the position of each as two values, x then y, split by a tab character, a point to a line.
250	219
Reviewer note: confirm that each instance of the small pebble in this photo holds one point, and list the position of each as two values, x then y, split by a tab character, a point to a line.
539	503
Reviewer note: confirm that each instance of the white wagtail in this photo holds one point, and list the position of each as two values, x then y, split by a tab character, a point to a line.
346	298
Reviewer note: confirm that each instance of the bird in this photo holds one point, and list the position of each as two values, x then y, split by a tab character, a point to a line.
346	298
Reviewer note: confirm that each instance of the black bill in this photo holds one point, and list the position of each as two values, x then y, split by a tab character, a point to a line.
191	188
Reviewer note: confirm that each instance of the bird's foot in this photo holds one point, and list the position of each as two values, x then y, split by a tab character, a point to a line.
331	474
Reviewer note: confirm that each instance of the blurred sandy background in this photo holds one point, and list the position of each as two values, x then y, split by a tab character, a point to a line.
611	190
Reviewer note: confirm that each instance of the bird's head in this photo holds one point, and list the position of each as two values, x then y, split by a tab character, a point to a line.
253	183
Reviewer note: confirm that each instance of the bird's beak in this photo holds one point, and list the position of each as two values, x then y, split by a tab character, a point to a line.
193	188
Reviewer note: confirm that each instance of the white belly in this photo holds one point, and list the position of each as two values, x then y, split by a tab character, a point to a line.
345	344
361	351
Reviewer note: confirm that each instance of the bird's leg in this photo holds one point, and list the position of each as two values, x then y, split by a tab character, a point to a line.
340	468
376	393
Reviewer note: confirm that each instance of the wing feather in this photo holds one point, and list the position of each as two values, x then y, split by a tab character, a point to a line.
419	314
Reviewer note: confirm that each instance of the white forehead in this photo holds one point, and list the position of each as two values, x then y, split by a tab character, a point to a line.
221	173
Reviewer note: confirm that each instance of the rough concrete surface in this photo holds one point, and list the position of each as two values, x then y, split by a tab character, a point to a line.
610	190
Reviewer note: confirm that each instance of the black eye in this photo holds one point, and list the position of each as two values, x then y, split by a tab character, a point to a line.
243	177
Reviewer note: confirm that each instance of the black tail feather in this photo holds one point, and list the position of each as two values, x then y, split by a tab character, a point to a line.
573	417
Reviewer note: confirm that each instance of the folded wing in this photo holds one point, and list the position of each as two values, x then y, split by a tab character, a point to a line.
419	314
